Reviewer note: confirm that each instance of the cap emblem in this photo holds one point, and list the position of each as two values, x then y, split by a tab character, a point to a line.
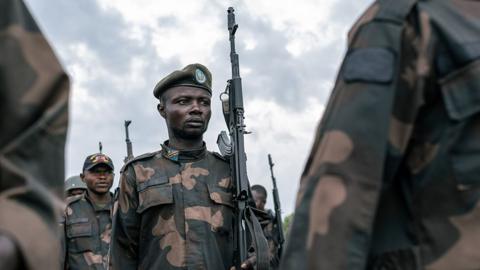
200	76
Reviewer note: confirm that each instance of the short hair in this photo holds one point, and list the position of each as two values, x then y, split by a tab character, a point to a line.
260	189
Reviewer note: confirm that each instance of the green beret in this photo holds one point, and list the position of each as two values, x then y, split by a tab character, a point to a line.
195	75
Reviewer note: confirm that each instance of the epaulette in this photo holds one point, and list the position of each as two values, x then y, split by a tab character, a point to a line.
73	199
137	158
219	156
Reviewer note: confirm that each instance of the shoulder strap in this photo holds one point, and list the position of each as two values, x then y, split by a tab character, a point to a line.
260	243
144	156
72	199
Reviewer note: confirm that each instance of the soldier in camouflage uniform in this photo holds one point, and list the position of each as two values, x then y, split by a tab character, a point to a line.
87	223
175	205
74	186
267	220
392	181
34	92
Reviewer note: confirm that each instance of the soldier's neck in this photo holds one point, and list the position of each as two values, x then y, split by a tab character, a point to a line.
183	144
99	198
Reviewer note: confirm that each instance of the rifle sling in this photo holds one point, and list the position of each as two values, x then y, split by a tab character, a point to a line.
258	239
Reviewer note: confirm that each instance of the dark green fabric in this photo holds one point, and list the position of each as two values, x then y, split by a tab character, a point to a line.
392	178
175	212
195	75
34	91
87	229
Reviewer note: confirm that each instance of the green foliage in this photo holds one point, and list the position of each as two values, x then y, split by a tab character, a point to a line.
287	220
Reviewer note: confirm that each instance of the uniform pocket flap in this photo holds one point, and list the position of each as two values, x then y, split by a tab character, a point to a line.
79	227
461	91
160	180
154	195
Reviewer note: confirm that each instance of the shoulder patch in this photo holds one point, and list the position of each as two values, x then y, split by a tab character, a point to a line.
374	65
137	158
73	199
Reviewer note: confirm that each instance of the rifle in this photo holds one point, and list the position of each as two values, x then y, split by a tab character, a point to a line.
234	149
128	142
278	210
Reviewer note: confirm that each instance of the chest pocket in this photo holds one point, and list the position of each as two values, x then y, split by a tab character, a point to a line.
79	235
154	192
461	94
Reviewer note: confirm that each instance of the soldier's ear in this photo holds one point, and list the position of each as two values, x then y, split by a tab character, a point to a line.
82	176
161	109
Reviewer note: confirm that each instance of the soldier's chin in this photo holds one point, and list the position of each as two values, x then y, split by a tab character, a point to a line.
191	134
102	190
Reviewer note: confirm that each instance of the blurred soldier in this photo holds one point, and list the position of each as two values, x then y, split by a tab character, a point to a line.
34	93
74	186
392	181
88	217
175	205
267	220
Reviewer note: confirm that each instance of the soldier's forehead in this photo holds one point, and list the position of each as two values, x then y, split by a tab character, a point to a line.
182	90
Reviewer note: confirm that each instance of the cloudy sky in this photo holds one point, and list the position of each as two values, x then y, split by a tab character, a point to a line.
117	50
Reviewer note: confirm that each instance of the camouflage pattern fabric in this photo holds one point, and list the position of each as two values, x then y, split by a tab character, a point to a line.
87	229
175	211
34	93
392	180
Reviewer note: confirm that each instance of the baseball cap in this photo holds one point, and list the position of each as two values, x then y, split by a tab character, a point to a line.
96	159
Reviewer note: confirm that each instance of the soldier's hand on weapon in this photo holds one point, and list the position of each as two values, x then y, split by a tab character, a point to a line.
248	264
9	256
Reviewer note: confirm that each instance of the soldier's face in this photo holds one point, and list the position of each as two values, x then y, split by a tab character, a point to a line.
186	111
259	199
98	179
75	191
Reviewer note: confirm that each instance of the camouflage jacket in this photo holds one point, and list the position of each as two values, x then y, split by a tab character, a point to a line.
34	92
174	212
392	181
87	228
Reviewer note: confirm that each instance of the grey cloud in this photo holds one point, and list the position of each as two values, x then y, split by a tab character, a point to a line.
276	75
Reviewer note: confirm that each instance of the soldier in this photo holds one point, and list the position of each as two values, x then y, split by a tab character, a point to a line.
74	186
88	217
175	205
34	92
392	181
267	220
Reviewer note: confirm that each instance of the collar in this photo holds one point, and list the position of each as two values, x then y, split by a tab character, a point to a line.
96	207
183	155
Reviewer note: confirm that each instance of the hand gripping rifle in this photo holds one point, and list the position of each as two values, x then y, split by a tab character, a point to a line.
128	142
234	149
278	210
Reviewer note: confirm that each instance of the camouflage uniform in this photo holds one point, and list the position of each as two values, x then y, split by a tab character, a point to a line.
175	212
87	229
392	181
34	93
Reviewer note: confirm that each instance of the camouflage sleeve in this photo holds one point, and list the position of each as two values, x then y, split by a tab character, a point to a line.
34	93
342	180
124	246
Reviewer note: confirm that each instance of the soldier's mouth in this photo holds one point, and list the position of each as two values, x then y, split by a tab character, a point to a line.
194	123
